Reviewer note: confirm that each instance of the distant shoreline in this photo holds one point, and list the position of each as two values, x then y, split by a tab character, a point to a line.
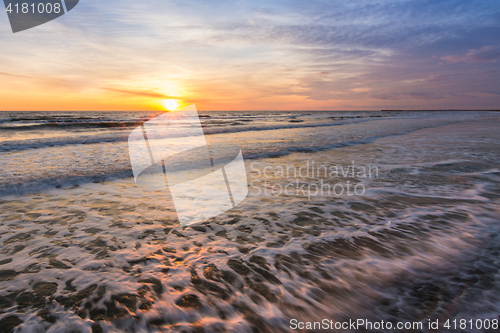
497	110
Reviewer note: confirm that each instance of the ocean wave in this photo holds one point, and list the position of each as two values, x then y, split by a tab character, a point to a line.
86	157
66	166
235	127
70	124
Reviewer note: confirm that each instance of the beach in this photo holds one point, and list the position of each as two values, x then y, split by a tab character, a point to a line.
372	216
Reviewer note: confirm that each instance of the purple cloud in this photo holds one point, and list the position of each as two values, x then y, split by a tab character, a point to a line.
485	54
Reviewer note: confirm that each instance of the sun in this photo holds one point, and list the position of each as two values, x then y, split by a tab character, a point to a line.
171	104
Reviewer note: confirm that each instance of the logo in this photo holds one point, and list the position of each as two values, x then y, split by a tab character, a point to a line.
26	14
171	151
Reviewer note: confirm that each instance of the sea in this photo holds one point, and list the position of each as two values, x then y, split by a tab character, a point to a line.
355	221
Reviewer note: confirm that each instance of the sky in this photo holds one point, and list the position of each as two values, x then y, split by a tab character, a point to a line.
256	55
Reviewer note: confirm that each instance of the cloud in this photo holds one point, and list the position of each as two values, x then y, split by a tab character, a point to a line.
139	93
386	96
419	95
425	95
486	54
15	75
